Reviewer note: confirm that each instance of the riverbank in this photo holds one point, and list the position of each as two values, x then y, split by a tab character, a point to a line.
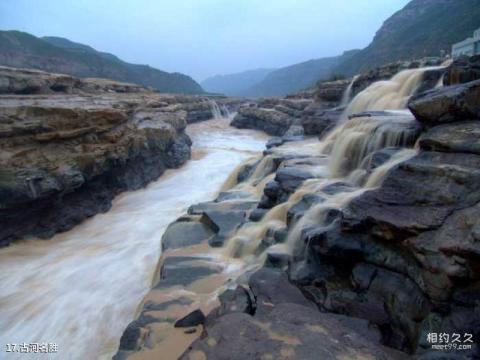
72	146
80	288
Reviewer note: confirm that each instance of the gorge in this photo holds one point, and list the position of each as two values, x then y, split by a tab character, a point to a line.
292	208
142	217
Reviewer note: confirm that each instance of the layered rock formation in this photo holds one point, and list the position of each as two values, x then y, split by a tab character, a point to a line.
377	267
318	111
64	157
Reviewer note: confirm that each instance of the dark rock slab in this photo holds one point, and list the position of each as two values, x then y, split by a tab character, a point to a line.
417	195
462	137
298	210
240	299
223	223
380	157
290	178
195	318
186	233
183	271
316	120
289	331
273	122
271	287
447	104
463	70
234	205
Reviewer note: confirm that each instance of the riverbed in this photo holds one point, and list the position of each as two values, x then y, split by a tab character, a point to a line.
80	289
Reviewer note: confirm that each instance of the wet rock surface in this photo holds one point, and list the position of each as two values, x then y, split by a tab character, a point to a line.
447	104
285	325
369	277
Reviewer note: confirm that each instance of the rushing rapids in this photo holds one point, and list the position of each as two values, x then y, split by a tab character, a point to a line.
53	283
81	288
388	94
335	170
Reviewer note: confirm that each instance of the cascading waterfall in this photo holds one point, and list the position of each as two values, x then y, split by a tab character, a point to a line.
226	113
350	143
388	94
440	82
216	111
36	302
348	92
349	148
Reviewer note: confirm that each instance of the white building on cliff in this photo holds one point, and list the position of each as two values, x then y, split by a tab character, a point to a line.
469	46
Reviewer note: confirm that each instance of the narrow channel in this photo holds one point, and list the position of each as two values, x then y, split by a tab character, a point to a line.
81	288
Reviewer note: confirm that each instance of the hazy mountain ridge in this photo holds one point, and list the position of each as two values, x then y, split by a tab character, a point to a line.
422	28
296	77
53	54
236	84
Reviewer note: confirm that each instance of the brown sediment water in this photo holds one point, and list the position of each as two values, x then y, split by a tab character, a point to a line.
81	288
389	94
342	156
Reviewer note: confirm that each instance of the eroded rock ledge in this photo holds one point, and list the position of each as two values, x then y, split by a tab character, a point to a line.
317	110
64	157
371	281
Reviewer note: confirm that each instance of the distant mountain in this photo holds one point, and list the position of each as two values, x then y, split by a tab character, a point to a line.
59	55
235	84
422	28
297	77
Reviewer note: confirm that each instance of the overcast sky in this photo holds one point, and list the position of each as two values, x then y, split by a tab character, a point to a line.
205	37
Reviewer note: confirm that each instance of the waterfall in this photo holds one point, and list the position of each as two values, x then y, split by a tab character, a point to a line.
440	82
217	111
348	92
226	113
388	94
350	143
349	150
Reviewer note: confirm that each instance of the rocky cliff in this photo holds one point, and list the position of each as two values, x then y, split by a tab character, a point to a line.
422	28
70	148
53	54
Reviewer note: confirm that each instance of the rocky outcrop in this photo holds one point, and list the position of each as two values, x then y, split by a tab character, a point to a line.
274	116
404	256
447	104
64	157
376	268
283	324
464	69
29	81
320	113
330	93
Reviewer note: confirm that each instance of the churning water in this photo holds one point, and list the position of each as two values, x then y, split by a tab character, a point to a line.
81	288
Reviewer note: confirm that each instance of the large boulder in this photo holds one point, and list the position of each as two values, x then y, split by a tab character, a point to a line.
463	70
447	104
273	122
418	195
461	137
330	93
